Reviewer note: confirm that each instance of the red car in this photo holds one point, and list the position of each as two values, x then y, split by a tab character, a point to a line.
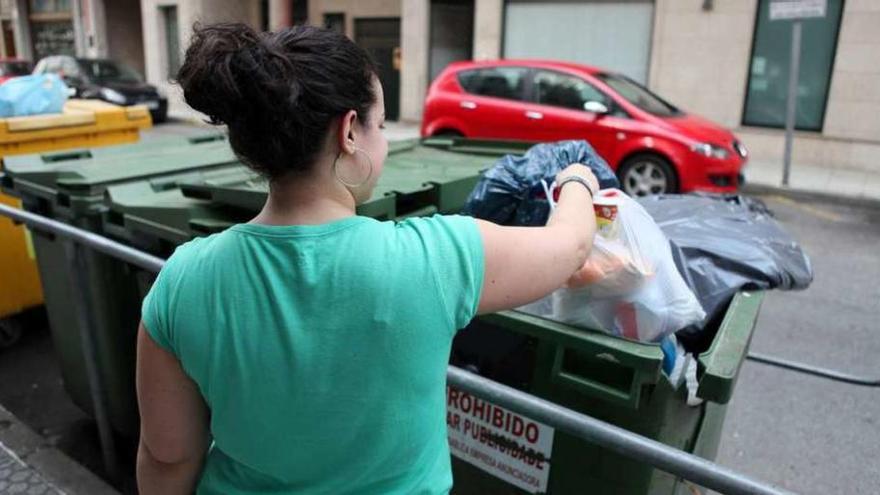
654	146
13	67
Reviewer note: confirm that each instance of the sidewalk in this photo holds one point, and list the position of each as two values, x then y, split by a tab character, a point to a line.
848	183
29	466
18	477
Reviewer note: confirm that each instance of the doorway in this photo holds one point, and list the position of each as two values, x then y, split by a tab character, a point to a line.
381	39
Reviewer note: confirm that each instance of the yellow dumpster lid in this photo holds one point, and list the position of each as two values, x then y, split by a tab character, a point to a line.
91	116
36	122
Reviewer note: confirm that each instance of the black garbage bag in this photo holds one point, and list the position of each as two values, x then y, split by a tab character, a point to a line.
723	244
511	193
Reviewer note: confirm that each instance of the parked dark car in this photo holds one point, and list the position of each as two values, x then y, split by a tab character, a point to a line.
13	67
106	80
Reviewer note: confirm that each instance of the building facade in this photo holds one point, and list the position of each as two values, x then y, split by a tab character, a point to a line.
33	29
722	59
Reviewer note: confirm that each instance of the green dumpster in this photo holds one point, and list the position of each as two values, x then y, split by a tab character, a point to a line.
163	145
612	379
160	200
608	378
72	190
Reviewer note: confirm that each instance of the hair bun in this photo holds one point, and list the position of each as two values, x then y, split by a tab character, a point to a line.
209	78
278	93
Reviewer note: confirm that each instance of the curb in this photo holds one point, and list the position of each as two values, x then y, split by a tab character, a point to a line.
50	463
808	195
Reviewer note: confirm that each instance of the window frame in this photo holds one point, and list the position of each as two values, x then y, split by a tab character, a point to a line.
525	92
610	103
615	109
745	102
326	16
71	68
676	111
53	65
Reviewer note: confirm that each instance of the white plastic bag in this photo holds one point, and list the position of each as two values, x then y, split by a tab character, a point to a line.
630	286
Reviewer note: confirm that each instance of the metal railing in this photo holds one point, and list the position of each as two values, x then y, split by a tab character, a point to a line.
676	462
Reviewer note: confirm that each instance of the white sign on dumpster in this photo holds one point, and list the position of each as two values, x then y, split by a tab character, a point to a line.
501	442
781	10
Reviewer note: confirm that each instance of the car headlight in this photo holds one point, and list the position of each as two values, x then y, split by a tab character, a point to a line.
113	96
710	150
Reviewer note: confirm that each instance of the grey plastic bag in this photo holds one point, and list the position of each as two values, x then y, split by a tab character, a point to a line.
726	243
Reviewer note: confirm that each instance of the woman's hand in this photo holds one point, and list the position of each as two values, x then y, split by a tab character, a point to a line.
524	264
579	170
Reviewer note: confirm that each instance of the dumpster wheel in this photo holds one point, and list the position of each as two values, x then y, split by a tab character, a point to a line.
10	332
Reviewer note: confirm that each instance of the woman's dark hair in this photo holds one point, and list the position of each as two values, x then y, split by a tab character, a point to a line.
277	92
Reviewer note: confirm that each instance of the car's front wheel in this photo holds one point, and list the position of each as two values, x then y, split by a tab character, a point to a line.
646	174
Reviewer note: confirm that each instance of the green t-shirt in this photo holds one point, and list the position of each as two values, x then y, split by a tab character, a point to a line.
321	350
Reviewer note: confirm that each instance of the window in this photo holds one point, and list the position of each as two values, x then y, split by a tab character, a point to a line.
451	34
108	71
69	68
264	15
769	69
49	6
172	39
299	12
560	90
498	82
335	22
52	65
639	95
14	68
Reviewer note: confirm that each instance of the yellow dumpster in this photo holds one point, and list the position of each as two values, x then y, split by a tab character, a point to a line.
82	124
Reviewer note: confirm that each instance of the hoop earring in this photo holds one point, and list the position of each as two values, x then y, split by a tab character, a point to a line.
349	184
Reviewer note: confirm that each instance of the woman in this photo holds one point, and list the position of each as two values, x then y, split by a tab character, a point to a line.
305	351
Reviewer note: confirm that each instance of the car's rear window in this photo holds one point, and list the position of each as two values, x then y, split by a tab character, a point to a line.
497	82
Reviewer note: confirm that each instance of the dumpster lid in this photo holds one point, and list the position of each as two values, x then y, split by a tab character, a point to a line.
140	209
160	145
38	122
419	174
79	174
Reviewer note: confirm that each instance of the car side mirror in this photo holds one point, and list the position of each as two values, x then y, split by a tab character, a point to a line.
596	107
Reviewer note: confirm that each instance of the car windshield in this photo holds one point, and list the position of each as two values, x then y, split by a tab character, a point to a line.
14	68
104	71
639	95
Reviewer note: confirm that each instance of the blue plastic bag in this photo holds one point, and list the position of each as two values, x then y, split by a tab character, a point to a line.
32	95
511	192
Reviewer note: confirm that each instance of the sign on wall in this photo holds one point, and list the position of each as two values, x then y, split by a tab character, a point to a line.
781	10
501	442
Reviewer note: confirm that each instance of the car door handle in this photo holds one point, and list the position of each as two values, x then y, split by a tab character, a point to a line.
534	115
468	104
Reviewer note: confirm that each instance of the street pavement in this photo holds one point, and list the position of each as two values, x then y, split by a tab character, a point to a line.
803	433
808	434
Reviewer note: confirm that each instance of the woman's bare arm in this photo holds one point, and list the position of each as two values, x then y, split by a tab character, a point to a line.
523	264
174	423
